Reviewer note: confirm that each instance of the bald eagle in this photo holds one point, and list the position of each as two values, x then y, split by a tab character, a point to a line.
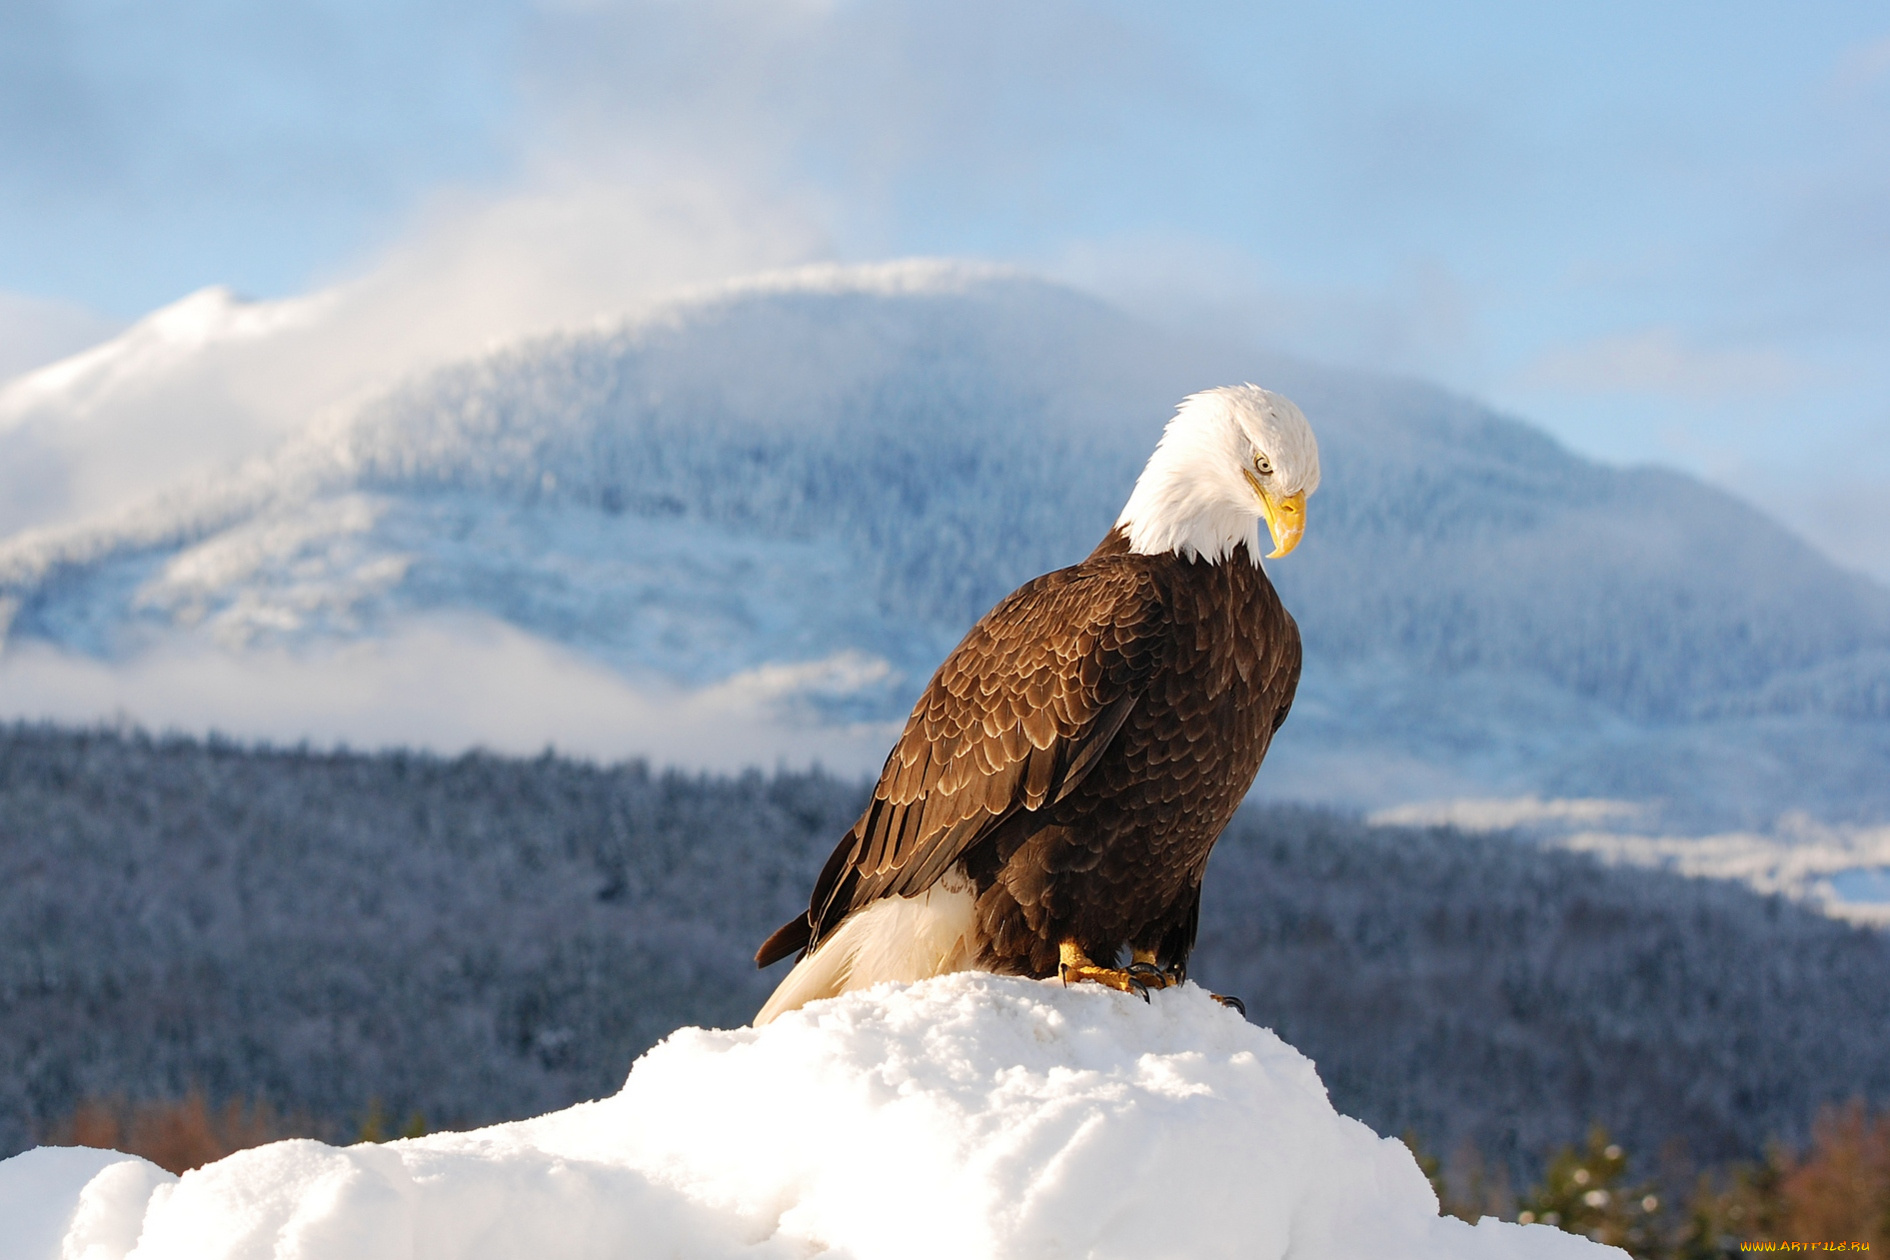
1062	779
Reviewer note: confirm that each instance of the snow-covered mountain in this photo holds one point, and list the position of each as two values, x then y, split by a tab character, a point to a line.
799	490
188	388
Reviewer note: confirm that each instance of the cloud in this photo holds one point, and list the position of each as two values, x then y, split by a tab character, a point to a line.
569	250
1660	361
36	331
449	685
1862	67
894	113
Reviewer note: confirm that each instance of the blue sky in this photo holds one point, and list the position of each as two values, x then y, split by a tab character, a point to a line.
1661	231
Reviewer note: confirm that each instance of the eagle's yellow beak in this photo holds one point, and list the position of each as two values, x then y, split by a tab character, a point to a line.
1286	518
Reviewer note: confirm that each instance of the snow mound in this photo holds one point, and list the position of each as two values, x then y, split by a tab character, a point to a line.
971	1115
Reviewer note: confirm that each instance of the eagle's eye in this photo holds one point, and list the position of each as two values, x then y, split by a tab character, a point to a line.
1262	465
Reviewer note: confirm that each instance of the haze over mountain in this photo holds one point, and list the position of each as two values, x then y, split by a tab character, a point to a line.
747	524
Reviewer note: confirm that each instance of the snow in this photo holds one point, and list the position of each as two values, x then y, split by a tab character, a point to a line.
1505	814
158	341
1836	868
970	1115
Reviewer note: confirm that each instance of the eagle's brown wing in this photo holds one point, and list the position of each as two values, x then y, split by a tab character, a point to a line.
1014	719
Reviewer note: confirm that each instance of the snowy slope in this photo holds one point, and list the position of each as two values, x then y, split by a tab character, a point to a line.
807	485
180	393
968	1116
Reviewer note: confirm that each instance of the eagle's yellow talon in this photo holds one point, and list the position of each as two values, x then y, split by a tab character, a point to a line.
1151	975
1138	977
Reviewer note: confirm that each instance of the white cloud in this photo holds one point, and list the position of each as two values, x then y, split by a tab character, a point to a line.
1662	361
35	331
1863	66
888	112
564	252
449	685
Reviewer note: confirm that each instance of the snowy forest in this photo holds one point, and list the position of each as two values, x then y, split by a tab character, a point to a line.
480	938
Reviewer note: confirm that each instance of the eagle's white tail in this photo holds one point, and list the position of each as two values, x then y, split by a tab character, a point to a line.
898	938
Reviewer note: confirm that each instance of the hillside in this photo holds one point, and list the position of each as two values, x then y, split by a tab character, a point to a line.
832	473
485	938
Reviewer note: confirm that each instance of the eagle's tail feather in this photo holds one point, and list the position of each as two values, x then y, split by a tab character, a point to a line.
896	938
789	938
822	974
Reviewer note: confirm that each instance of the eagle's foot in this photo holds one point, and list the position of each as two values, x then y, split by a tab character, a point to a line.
1170	976
1152	976
1229	1000
1139	977
1117	978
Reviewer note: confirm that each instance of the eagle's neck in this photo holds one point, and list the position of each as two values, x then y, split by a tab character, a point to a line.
1191	499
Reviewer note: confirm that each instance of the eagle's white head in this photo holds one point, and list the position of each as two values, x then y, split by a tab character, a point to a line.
1231	458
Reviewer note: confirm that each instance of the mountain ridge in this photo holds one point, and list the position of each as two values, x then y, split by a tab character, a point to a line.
860	461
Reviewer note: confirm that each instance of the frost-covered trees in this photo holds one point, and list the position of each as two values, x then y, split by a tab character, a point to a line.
482	937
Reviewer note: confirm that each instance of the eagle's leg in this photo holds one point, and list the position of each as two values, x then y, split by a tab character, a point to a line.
1138	978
